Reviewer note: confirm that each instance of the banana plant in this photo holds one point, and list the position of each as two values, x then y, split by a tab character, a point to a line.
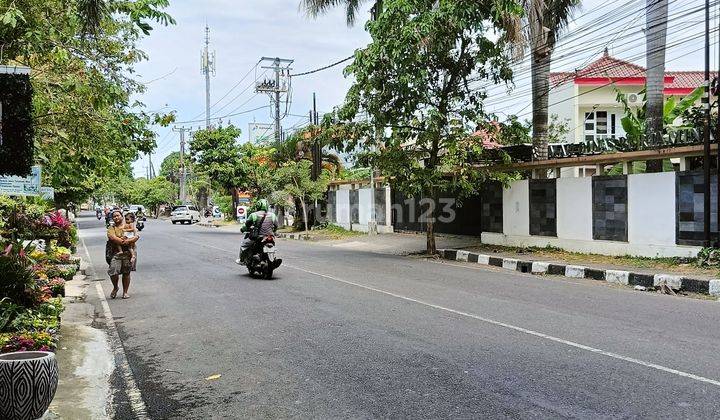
634	120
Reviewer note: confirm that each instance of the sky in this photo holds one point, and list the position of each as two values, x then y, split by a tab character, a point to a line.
243	31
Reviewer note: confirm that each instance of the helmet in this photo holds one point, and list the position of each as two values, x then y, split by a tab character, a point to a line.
262	205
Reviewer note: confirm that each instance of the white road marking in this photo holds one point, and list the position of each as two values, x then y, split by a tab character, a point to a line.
504	325
133	392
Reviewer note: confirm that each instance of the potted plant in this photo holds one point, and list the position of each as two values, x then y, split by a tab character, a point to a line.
28	380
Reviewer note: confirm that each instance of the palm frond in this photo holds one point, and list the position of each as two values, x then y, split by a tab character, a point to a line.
315	8
91	13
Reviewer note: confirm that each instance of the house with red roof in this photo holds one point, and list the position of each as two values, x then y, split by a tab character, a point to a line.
586	98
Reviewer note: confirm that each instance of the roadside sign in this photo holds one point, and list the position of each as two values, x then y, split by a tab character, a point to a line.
48	193
21	185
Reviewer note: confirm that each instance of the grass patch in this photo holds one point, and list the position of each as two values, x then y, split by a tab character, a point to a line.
330	231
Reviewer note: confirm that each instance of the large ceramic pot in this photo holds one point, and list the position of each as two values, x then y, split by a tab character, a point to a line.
28	381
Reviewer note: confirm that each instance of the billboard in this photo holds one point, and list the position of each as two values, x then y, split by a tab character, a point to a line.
21	185
261	132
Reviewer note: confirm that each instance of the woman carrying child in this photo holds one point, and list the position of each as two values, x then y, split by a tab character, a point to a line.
119	255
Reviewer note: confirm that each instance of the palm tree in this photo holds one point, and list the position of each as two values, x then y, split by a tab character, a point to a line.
538	30
656	15
318	7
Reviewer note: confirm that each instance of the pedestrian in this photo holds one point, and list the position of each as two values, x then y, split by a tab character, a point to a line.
118	254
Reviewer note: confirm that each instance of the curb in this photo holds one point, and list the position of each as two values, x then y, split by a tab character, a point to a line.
207	225
295	236
627	278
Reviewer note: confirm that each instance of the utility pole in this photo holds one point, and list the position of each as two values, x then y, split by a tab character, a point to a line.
717	142
182	131
281	84
207	67
706	132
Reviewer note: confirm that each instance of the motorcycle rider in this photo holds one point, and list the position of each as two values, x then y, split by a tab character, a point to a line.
268	228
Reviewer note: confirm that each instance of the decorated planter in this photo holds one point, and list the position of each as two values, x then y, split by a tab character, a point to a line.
28	381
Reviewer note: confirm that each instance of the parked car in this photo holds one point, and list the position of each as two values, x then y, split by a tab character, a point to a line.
185	213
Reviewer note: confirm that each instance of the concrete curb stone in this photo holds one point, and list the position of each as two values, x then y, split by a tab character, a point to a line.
625	278
618	277
575	271
714	287
539	267
673	282
295	236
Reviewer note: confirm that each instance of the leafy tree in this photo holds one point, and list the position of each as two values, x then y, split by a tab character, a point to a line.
412	81
216	153
81	51
231	166
299	146
294	179
170	166
151	193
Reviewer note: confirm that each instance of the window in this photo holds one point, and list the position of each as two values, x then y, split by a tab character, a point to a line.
602	122
598	127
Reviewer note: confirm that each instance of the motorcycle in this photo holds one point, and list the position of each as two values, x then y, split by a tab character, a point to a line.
261	260
140	223
98	214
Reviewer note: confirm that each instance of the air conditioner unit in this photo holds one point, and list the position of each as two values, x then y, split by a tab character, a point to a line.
633	98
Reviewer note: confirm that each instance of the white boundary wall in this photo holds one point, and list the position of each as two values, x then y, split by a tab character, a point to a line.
342	209
651	218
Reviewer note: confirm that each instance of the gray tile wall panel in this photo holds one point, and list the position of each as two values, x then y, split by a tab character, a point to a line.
610	208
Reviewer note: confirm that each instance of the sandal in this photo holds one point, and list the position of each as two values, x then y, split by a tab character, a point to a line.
126	297
113	294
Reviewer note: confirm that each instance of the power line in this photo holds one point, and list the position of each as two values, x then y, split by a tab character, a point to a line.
569	55
323	68
252	84
226	115
512	97
611	82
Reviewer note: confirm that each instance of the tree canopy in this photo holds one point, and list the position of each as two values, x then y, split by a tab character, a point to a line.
413	84
86	127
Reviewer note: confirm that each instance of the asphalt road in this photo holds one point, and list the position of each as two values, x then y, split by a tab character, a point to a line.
348	334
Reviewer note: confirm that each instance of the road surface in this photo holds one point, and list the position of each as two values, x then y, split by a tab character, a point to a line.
346	334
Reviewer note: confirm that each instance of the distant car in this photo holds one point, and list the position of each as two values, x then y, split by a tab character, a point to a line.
134	208
186	213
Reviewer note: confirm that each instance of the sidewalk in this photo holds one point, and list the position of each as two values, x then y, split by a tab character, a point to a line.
388	243
84	357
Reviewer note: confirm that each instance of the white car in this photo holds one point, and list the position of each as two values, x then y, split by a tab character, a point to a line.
185	214
134	208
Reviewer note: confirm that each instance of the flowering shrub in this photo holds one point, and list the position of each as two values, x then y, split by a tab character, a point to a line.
57	287
32	280
27	341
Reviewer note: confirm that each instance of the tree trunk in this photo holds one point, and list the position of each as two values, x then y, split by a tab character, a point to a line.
540	88
656	14
235	201
431	245
305	215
